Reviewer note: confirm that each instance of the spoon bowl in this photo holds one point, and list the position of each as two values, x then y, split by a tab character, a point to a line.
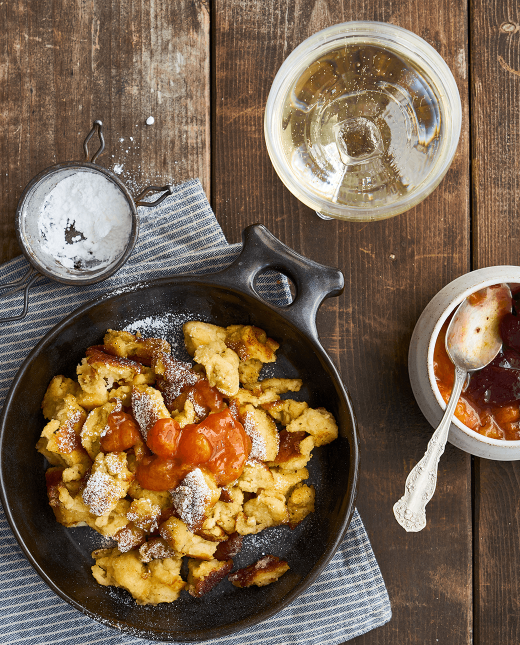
472	342
473	335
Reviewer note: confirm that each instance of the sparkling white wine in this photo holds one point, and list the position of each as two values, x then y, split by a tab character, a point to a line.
361	126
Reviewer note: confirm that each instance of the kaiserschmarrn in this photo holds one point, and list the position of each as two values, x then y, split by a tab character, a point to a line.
172	459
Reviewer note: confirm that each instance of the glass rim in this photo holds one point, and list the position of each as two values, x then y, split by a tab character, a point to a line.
398	40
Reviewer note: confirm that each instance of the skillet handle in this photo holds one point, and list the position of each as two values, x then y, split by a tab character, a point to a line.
314	282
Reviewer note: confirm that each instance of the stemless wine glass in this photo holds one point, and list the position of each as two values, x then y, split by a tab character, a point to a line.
362	121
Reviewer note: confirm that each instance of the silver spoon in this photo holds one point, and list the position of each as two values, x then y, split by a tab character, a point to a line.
472	342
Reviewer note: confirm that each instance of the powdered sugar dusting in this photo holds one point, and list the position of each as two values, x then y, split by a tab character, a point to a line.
269	539
200	410
167	326
127	539
114	464
99	492
155	549
258	445
191	498
67	439
144	409
177	377
146	521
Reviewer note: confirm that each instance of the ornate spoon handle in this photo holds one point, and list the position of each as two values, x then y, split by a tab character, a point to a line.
420	484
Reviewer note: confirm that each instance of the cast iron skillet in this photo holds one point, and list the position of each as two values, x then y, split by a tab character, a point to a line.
61	556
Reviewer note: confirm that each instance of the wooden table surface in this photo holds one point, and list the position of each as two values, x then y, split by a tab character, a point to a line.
203	70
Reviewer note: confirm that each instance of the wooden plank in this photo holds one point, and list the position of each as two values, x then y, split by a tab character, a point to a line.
391	268
495	93
119	61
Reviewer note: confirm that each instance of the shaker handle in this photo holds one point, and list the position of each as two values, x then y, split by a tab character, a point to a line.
98	125
31	276
153	189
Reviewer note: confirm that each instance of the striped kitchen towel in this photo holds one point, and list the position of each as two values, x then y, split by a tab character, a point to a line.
179	236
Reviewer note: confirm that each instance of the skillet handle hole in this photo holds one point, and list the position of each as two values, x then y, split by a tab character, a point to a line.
275	287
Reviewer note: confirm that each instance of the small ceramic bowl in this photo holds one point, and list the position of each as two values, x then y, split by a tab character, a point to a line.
420	361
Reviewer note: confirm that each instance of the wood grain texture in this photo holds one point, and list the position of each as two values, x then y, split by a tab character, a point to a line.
62	65
495	93
392	269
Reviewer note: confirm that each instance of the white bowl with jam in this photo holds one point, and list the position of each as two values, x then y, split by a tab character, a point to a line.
487	421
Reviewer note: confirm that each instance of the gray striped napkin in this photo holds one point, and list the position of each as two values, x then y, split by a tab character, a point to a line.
179	236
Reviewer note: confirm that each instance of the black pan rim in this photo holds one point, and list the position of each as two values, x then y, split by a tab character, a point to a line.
321	563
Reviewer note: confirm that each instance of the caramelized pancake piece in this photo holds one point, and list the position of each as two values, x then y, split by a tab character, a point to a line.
319	423
251	342
249	371
99	372
294	453
263	572
155	549
230	548
266	509
276	385
222	517
256	475
177	535
60	441
95	427
247	341
204	575
65	497
129	537
285	410
123	393
281	385
285	480
150	584
144	514
64	409
256	397
127	345
66	503
197	334
110	523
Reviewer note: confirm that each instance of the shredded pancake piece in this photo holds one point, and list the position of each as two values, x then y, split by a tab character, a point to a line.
194	496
